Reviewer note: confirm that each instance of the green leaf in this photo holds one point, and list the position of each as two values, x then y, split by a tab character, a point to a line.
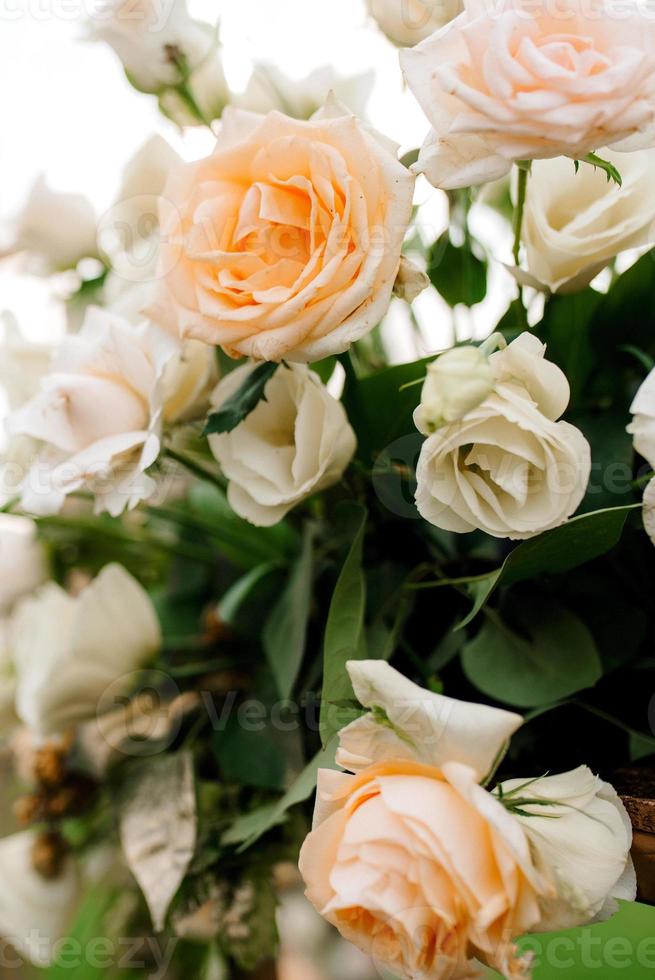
243	401
344	632
238	594
572	544
565	329
457	273
91	923
555	657
380	407
247	829
248	756
239	541
285	630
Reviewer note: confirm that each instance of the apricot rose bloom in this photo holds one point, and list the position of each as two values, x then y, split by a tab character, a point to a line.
422	868
528	81
410	858
286	241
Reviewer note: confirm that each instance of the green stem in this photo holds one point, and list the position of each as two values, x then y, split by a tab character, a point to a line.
524	173
193	467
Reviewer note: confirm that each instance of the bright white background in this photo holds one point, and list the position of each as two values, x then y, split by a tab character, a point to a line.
68	112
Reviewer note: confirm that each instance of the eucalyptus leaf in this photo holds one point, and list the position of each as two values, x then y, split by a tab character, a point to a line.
158	825
572	544
344	631
285	630
239	406
553	657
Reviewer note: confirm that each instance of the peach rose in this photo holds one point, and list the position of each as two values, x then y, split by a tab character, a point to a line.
411	859
421	867
528	81
285	242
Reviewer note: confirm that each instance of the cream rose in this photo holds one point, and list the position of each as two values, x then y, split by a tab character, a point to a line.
425	870
642	430
406	22
285	242
456	382
580	837
574	224
35	912
98	414
528	81
296	442
508	467
68	650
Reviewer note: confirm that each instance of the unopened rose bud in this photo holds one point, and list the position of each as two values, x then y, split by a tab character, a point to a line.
456	383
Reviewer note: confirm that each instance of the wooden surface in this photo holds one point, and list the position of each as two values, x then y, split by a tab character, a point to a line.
636	787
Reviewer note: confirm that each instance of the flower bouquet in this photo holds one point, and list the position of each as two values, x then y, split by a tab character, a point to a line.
255	565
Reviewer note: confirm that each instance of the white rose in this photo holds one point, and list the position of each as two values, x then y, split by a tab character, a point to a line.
574	224
35	912
406	22
456	383
55	230
580	839
269	88
408	722
295	443
155	42
68	650
23	564
99	414
508	467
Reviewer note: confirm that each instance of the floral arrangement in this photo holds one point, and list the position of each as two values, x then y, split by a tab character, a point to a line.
229	510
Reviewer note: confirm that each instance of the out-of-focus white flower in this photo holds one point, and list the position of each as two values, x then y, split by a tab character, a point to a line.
158	43
68	650
8	718
22	365
23	564
54	230
35	912
98	413
295	443
208	90
574	224
269	88
580	838
406	22
456	383
128	231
